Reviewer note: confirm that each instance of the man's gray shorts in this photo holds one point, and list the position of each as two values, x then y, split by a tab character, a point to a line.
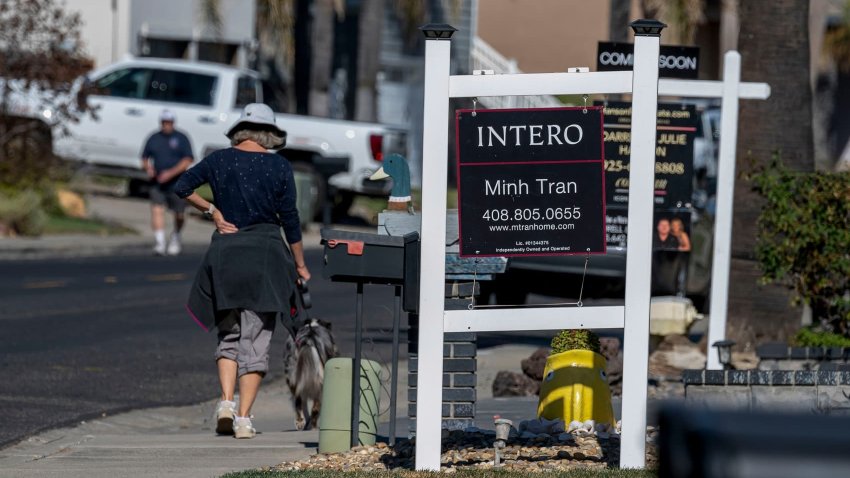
163	195
245	337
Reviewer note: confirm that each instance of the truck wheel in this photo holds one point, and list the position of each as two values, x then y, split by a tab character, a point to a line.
342	203
317	188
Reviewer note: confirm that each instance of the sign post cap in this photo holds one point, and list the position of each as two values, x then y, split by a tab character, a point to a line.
438	31
649	28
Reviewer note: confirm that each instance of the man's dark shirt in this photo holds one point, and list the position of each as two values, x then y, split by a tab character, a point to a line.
249	188
166	150
669	244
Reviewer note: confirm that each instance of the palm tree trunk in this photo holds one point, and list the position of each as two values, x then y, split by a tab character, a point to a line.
368	61
618	20
774	45
322	40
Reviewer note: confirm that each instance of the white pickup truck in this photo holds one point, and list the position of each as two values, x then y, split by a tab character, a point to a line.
206	98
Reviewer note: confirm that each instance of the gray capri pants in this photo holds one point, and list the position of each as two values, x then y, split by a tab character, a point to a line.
245	337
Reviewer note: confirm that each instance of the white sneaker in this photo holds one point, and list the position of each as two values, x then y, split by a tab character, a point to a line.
159	249
243	428
174	246
224	414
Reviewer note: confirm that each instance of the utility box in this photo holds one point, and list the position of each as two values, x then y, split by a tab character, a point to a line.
335	419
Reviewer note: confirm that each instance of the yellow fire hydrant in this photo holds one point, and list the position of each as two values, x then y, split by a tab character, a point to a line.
575	387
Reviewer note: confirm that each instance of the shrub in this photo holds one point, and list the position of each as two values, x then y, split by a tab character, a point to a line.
808	337
804	239
23	213
575	340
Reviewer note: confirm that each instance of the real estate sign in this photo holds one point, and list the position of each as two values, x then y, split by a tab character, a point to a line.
531	182
674	154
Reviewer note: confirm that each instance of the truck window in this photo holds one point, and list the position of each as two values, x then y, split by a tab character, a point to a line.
182	87
246	91
125	83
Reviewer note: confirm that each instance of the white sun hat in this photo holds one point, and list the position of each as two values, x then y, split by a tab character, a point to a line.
256	114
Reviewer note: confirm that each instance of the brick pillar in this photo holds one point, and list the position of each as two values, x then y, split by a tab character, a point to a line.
459	365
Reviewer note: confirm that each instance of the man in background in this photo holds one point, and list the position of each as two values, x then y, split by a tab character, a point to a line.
167	153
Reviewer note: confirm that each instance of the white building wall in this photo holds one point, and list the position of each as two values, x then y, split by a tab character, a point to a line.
182	20
111	28
102	21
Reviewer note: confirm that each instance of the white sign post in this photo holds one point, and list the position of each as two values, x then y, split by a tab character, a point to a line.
434	320
730	90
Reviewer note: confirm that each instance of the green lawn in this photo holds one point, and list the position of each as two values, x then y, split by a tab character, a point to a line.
71	225
606	473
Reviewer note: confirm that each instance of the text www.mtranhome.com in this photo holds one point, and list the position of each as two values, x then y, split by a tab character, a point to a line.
532	227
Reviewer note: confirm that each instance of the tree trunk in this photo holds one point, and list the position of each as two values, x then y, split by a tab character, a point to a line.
618	20
322	40
774	45
275	52
369	59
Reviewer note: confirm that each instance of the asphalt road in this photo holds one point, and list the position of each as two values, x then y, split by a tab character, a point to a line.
80	338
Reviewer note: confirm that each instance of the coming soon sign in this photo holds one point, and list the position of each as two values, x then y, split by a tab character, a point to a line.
531	182
673	62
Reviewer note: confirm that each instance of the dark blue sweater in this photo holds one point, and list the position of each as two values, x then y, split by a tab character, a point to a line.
248	188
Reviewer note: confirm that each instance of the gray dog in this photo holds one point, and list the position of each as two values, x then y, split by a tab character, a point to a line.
304	366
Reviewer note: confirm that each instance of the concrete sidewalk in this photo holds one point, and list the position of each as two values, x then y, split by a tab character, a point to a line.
180	442
170	441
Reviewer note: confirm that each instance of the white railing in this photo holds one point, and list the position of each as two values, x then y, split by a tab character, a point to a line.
485	57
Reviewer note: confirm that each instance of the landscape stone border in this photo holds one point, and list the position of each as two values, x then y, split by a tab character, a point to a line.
809	391
765	377
781	356
782	351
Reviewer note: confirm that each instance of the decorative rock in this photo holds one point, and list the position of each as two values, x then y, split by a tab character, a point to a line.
574	425
557	427
513	384
533	366
71	203
542	425
610	349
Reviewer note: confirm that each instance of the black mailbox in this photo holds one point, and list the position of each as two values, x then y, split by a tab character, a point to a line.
366	258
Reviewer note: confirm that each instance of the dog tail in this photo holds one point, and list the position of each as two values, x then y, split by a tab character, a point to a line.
309	373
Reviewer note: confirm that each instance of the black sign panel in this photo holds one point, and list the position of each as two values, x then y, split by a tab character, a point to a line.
531	182
673	61
674	153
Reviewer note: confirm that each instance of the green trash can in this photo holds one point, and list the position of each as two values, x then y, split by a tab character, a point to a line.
305	196
335	419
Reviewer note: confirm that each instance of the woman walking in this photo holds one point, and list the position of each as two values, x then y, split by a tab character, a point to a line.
248	275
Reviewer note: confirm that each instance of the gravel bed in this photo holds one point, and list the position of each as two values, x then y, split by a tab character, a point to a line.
583	446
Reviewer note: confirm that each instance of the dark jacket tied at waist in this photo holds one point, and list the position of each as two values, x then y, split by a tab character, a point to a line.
250	269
